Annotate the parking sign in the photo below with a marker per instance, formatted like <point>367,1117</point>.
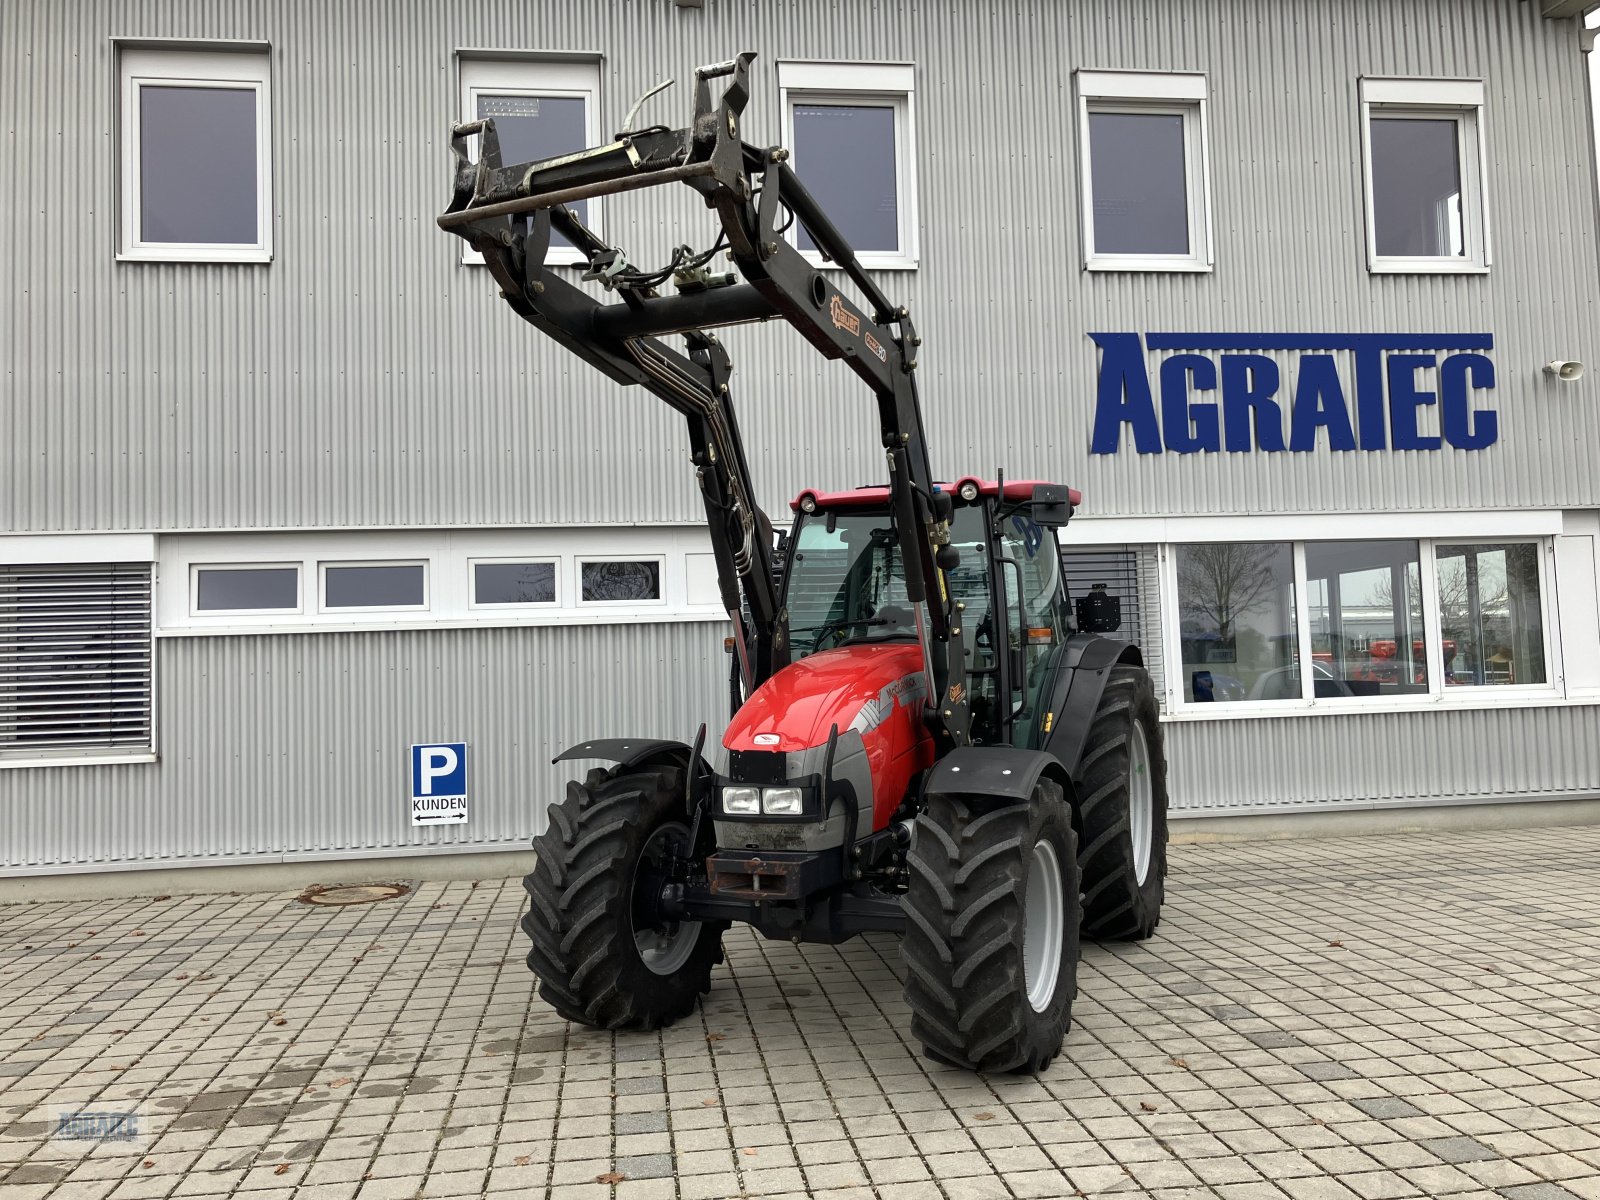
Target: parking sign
<point>439,783</point>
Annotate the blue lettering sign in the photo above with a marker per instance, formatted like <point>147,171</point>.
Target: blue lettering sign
<point>1394,408</point>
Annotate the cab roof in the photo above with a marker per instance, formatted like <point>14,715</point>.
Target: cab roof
<point>877,495</point>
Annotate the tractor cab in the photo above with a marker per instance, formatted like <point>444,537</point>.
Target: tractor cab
<point>845,585</point>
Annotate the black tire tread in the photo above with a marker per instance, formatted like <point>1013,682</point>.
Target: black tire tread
<point>1115,907</point>
<point>964,967</point>
<point>578,921</point>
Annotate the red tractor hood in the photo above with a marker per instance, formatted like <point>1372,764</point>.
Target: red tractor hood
<point>797,707</point>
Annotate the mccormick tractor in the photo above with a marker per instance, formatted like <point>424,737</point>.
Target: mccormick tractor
<point>921,742</point>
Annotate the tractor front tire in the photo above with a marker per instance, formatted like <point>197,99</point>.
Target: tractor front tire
<point>599,958</point>
<point>1123,811</point>
<point>991,942</point>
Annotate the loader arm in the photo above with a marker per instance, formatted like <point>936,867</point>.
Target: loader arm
<point>507,213</point>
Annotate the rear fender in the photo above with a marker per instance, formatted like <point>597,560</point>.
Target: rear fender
<point>1075,698</point>
<point>998,775</point>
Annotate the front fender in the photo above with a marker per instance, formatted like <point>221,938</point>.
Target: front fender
<point>631,752</point>
<point>1001,774</point>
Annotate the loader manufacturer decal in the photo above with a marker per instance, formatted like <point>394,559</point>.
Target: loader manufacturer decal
<point>843,318</point>
<point>1411,391</point>
<point>876,347</point>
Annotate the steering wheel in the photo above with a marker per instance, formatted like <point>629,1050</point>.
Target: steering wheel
<point>836,630</point>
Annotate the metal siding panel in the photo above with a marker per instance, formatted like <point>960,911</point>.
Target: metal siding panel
<point>366,378</point>
<point>1372,760</point>
<point>286,744</point>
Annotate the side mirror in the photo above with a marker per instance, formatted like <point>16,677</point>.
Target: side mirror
<point>1052,504</point>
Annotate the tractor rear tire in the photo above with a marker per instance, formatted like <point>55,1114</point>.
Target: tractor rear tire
<point>991,942</point>
<point>595,965</point>
<point>1123,811</point>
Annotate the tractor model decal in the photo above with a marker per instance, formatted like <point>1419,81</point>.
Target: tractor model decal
<point>906,690</point>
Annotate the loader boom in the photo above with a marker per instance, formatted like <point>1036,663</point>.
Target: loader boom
<point>507,212</point>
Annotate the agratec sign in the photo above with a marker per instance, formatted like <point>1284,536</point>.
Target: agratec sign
<point>1219,391</point>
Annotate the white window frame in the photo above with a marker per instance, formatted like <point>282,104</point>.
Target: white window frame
<point>531,73</point>
<point>238,65</point>
<point>1173,93</point>
<point>661,580</point>
<point>1438,695</point>
<point>517,560</point>
<point>34,549</point>
<point>889,85</point>
<point>322,585</point>
<point>448,553</point>
<point>211,613</point>
<point>1433,99</point>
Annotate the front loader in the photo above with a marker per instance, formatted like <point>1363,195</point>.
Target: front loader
<point>921,741</point>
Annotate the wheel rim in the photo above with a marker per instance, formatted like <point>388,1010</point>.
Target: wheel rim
<point>1043,926</point>
<point>661,951</point>
<point>1141,803</point>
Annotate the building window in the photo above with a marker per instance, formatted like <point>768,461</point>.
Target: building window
<point>1399,619</point>
<point>850,131</point>
<point>75,662</point>
<point>1491,614</point>
<point>1142,138</point>
<point>196,156</point>
<point>246,589</point>
<point>1367,635</point>
<point>368,586</point>
<point>1426,210</point>
<point>510,582</point>
<point>1237,622</point>
<point>620,581</point>
<point>541,108</point>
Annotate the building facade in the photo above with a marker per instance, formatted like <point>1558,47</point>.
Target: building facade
<point>287,493</point>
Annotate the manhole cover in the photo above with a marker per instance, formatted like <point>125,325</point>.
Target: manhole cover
<point>344,894</point>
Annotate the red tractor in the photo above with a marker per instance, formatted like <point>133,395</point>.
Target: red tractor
<point>921,741</point>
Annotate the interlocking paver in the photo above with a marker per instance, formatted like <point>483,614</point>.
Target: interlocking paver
<point>1323,1019</point>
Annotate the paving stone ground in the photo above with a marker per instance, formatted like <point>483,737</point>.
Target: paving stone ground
<point>1363,1018</point>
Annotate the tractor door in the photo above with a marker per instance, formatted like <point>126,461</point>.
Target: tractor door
<point>1036,612</point>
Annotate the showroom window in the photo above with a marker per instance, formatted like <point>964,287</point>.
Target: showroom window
<point>1491,614</point>
<point>241,589</point>
<point>1365,604</point>
<point>1397,619</point>
<point>851,134</point>
<point>371,586</point>
<point>1143,171</point>
<point>1425,168</point>
<point>506,583</point>
<point>196,155</point>
<point>1236,607</point>
<point>75,661</point>
<point>542,108</point>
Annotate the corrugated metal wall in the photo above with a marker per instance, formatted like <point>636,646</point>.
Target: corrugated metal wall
<point>300,743</point>
<point>297,744</point>
<point>1382,759</point>
<point>366,378</point>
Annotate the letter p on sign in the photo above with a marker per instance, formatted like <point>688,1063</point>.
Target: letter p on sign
<point>439,783</point>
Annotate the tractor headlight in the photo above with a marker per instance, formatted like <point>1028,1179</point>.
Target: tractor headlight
<point>781,802</point>
<point>745,801</point>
